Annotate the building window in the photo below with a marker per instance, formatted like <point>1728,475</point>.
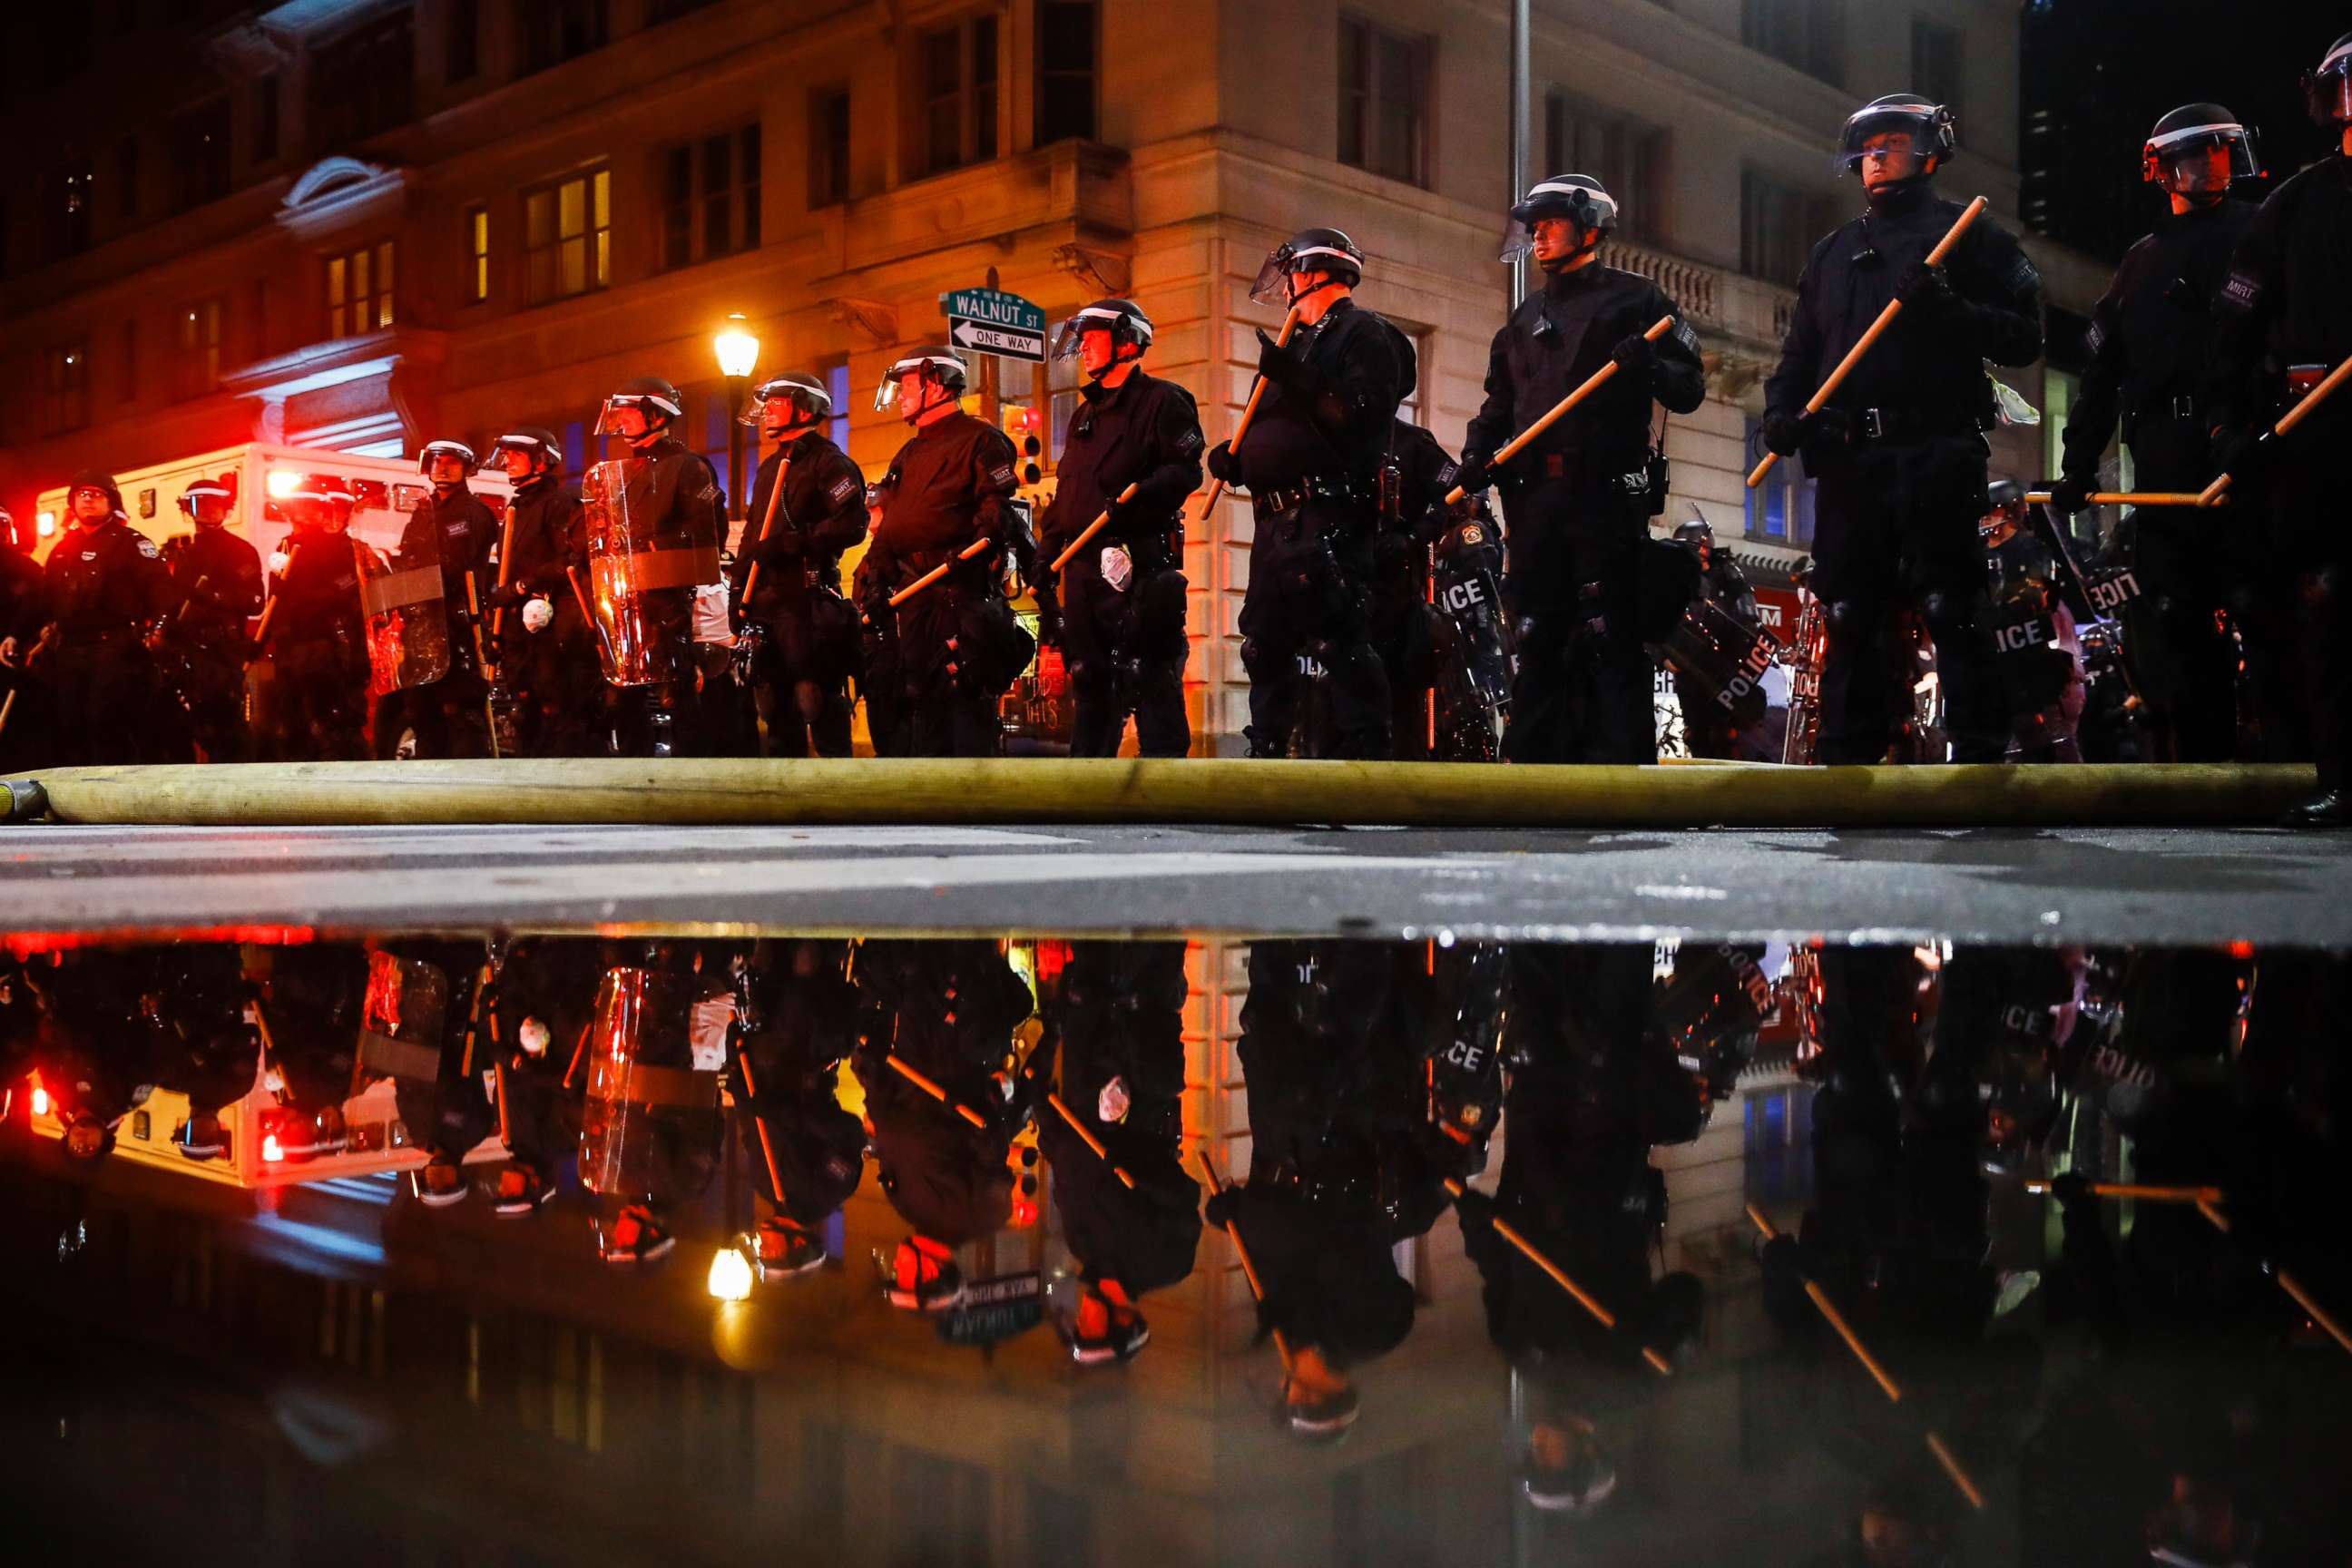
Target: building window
<point>1779,226</point>
<point>1781,507</point>
<point>1383,101</point>
<point>200,155</point>
<point>129,390</point>
<point>711,197</point>
<point>567,237</point>
<point>1938,69</point>
<point>555,31</point>
<point>265,119</point>
<point>1068,31</point>
<point>65,388</point>
<point>364,82</point>
<point>359,290</point>
<point>197,357</point>
<point>836,387</point>
<point>1626,156</point>
<point>461,55</point>
<point>958,94</point>
<point>1807,34</point>
<point>477,254</point>
<point>828,143</point>
<point>71,190</point>
<point>126,180</point>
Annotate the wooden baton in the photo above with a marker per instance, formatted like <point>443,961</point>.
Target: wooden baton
<point>2128,498</point>
<point>1249,411</point>
<point>1583,1298</point>
<point>2287,421</point>
<point>1249,1269</point>
<point>1592,384</point>
<point>1086,1135</point>
<point>482,663</point>
<point>1877,328</point>
<point>976,547</point>
<point>936,1092</point>
<point>1097,526</point>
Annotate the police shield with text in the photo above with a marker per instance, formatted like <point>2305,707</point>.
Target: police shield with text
<point>1122,597</point>
<point>948,502</point>
<point>808,505</point>
<point>1719,651</point>
<point>314,637</point>
<point>2147,344</point>
<point>653,539</point>
<point>1899,451</point>
<point>425,645</point>
<point>1311,461</point>
<point>2283,321</point>
<point>1582,583</point>
<point>547,650</point>
<point>215,589</point>
<point>107,587</point>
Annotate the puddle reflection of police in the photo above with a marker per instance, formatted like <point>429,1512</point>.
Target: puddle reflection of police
<point>806,1151</point>
<point>423,1032</point>
<point>543,1003</point>
<point>946,1010</point>
<point>1115,1030</point>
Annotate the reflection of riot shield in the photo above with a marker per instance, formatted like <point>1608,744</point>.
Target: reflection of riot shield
<point>1477,660</point>
<point>407,621</point>
<point>404,1017</point>
<point>651,1126</point>
<point>644,569</point>
<point>1720,659</point>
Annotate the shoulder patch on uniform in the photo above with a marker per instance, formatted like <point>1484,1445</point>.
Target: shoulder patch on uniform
<point>1686,335</point>
<point>999,473</point>
<point>2242,290</point>
<point>1448,474</point>
<point>844,487</point>
<point>147,547</point>
<point>2024,274</point>
<point>2093,337</point>
<point>1191,443</point>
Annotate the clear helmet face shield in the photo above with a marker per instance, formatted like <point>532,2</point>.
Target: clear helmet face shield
<point>1590,209</point>
<point>654,410</point>
<point>1273,284</point>
<point>938,374</point>
<point>1071,339</point>
<point>2202,157</point>
<point>796,401</point>
<point>2327,91</point>
<point>1923,130</point>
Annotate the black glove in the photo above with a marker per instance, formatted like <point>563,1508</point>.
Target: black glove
<point>2240,454</point>
<point>2072,493</point>
<point>1472,476</point>
<point>1225,1208</point>
<point>1927,290</point>
<point>2071,1190</point>
<point>1049,613</point>
<point>1476,1210</point>
<point>1785,433</point>
<point>1225,467</point>
<point>1279,364</point>
<point>1635,355</point>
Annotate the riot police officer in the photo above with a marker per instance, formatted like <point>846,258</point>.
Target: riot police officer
<point>1900,452</point>
<point>654,516</point>
<point>1414,483</point>
<point>215,589</point>
<point>1311,461</point>
<point>23,612</point>
<point>2147,351</point>
<point>808,505</point>
<point>1578,501</point>
<point>1708,727</point>
<point>1121,602</point>
<point>312,636</point>
<point>948,488</point>
<point>547,651</point>
<point>107,585</point>
<point>2283,321</point>
<point>454,529</point>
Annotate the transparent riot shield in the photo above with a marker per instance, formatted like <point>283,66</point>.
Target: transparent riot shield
<point>650,1126</point>
<point>1468,598</point>
<point>403,1018</point>
<point>1720,659</point>
<point>649,548</point>
<point>406,617</point>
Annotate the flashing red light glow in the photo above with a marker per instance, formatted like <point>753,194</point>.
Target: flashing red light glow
<point>271,1152</point>
<point>40,1100</point>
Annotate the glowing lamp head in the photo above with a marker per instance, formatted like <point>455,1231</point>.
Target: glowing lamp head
<point>731,1275</point>
<point>737,349</point>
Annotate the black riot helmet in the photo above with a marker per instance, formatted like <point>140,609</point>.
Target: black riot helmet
<point>943,378</point>
<point>458,449</point>
<point>207,502</point>
<point>656,399</point>
<point>1129,330</point>
<point>1309,250</point>
<point>96,479</point>
<point>1579,198</point>
<point>320,501</point>
<point>535,443</point>
<point>2327,91</point>
<point>1695,532</point>
<point>802,400</point>
<point>1928,128</point>
<point>2179,152</point>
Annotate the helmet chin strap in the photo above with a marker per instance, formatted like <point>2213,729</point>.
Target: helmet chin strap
<point>653,433</point>
<point>1116,359</point>
<point>1298,298</point>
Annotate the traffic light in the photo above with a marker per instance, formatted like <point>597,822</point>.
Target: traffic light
<point>1026,428</point>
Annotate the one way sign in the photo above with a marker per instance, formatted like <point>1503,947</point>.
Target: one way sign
<point>1005,342</point>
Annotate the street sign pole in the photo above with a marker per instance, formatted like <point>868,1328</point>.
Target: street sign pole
<point>988,406</point>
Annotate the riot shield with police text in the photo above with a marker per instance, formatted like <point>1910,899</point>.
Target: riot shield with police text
<point>648,551</point>
<point>650,1126</point>
<point>402,601</point>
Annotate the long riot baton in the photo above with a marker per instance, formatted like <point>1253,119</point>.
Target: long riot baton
<point>1249,412</point>
<point>1592,384</point>
<point>2287,421</point>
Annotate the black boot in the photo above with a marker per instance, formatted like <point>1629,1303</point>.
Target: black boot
<point>2328,809</point>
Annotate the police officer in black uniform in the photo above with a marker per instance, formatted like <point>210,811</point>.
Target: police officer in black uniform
<point>1311,461</point>
<point>314,638</point>
<point>950,488</point>
<point>673,503</point>
<point>24,611</point>
<point>808,505</point>
<point>2147,346</point>
<point>107,586</point>
<point>1578,501</point>
<point>1900,452</point>
<point>1414,483</point>
<point>450,716</point>
<point>2282,322</point>
<point>1121,600</point>
<point>215,589</point>
<point>547,650</point>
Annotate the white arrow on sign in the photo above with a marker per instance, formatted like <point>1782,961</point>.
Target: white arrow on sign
<point>998,341</point>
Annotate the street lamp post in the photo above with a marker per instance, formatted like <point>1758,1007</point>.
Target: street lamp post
<point>738,351</point>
